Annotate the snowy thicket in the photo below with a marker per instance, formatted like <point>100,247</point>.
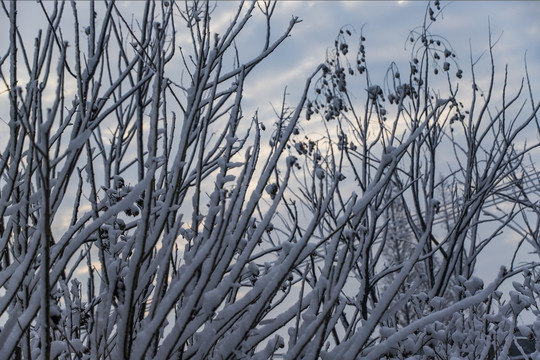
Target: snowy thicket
<point>145,214</point>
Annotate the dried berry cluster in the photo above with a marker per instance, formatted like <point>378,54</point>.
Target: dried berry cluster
<point>331,88</point>
<point>436,47</point>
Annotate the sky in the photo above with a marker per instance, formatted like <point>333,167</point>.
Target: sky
<point>466,25</point>
<point>386,25</point>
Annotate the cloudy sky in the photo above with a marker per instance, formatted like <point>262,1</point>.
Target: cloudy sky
<point>386,25</point>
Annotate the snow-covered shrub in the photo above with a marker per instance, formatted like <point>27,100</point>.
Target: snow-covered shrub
<point>142,214</point>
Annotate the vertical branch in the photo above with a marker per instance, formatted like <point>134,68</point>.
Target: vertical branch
<point>46,237</point>
<point>13,123</point>
<point>143,43</point>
